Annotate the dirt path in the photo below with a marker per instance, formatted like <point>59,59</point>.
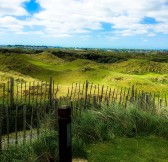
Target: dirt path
<point>79,160</point>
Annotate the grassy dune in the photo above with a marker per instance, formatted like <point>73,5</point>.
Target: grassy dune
<point>145,74</point>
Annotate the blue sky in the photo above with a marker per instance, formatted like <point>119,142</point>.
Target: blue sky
<point>32,6</point>
<point>83,23</point>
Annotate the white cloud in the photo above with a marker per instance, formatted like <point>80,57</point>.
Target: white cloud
<point>12,7</point>
<point>64,18</point>
<point>11,24</point>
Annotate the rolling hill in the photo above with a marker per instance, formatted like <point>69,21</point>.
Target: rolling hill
<point>143,72</point>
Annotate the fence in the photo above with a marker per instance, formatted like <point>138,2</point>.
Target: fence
<point>17,92</point>
<point>22,92</point>
<point>25,106</point>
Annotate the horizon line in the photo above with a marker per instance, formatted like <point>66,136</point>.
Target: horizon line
<point>79,47</point>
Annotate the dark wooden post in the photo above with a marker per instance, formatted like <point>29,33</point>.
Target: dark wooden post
<point>24,124</point>
<point>11,92</point>
<point>65,141</point>
<point>16,126</point>
<point>94,102</point>
<point>50,91</point>
<point>7,124</point>
<point>55,108</point>
<point>132,94</point>
<point>1,128</point>
<point>86,94</point>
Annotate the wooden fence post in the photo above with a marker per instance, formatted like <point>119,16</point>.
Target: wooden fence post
<point>24,124</point>
<point>65,141</point>
<point>71,92</point>
<point>7,124</point>
<point>101,96</point>
<point>126,101</point>
<point>50,91</point>
<point>3,94</point>
<point>11,92</point>
<point>38,121</point>
<point>16,125</point>
<point>165,101</point>
<point>132,94</point>
<point>94,102</point>
<point>160,103</point>
<point>55,108</point>
<point>86,94</point>
<point>120,100</point>
<point>31,123</point>
<point>0,128</point>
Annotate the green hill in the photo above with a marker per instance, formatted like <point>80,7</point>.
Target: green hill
<point>139,66</point>
<point>144,73</point>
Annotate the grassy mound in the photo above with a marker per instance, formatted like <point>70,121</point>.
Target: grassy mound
<point>138,66</point>
<point>18,63</point>
<point>45,57</point>
<point>144,73</point>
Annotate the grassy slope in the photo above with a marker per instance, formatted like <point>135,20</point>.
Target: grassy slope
<point>109,135</point>
<point>145,74</point>
<point>130,149</point>
<point>140,66</point>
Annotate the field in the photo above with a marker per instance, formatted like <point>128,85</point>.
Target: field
<point>147,72</point>
<point>112,113</point>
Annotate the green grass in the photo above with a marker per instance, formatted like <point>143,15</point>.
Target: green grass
<point>140,67</point>
<point>98,135</point>
<point>109,134</point>
<point>144,74</point>
<point>140,149</point>
<point>115,121</point>
<point>42,150</point>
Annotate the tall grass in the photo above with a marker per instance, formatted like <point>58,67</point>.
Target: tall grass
<point>45,149</point>
<point>92,126</point>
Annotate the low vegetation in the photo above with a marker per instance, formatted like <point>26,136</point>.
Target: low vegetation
<point>129,149</point>
<point>147,71</point>
<point>118,133</point>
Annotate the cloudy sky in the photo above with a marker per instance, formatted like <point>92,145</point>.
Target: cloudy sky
<point>85,23</point>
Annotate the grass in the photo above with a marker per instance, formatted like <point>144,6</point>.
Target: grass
<point>104,134</point>
<point>140,149</point>
<point>140,67</point>
<point>42,150</point>
<point>117,134</point>
<point>109,122</point>
<point>119,149</point>
<point>144,74</point>
<point>108,134</point>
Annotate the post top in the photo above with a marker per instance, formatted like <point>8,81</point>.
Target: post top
<point>64,111</point>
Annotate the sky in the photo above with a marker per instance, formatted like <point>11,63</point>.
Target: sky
<point>139,24</point>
